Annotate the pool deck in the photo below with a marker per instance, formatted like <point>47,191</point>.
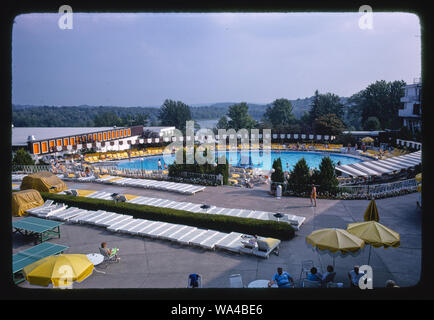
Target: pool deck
<point>144,261</point>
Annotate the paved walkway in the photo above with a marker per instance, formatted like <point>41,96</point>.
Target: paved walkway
<point>144,261</point>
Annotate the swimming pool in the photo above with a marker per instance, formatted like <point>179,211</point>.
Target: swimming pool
<point>253,159</point>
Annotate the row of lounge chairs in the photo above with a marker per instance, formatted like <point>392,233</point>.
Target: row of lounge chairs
<point>152,184</point>
<point>295,221</point>
<point>182,234</point>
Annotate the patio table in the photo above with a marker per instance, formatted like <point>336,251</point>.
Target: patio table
<point>260,284</point>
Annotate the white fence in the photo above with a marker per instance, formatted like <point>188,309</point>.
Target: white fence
<point>379,190</point>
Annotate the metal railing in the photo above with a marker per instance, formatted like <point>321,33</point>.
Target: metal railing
<point>379,190</point>
<point>30,168</point>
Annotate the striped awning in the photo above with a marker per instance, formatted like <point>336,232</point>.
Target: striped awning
<point>379,167</point>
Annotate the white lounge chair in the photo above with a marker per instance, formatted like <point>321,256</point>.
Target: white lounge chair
<point>231,243</point>
<point>191,236</point>
<point>181,233</point>
<point>203,237</point>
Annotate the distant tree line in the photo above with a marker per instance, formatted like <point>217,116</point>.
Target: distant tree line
<point>374,108</point>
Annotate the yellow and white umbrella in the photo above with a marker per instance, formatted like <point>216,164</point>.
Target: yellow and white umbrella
<point>335,242</point>
<point>59,270</point>
<point>371,213</point>
<point>375,234</point>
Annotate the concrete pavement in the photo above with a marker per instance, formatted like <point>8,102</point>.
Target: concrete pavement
<point>150,263</point>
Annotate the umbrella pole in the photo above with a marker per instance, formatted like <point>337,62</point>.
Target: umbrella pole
<point>369,257</point>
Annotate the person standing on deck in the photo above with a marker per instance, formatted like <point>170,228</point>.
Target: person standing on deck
<point>313,195</point>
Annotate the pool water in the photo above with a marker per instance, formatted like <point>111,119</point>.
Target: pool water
<point>253,159</point>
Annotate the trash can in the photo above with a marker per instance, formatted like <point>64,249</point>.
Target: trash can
<point>278,191</point>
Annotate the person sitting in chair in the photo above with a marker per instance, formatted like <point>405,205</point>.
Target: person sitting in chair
<point>329,276</point>
<point>283,279</point>
<point>110,252</point>
<point>314,275</point>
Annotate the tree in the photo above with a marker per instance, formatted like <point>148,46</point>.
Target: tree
<point>279,113</point>
<point>372,124</point>
<point>327,176</point>
<point>353,113</point>
<point>323,104</point>
<point>222,123</point>
<point>22,157</point>
<point>240,118</point>
<point>299,180</point>
<point>328,124</point>
<point>174,113</point>
<point>346,139</point>
<point>305,122</point>
<point>382,100</point>
<point>277,175</point>
<point>107,119</point>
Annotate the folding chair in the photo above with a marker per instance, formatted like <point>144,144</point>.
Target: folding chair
<point>107,258</point>
<point>236,281</point>
<point>311,284</point>
<point>306,265</point>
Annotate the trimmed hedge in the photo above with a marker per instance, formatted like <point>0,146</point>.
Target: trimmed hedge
<point>279,230</point>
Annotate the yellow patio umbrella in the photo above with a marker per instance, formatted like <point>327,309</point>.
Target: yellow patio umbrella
<point>374,234</point>
<point>367,140</point>
<point>335,242</point>
<point>59,270</point>
<point>371,213</point>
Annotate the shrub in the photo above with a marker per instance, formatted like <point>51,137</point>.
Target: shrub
<point>277,175</point>
<point>280,230</point>
<point>22,157</point>
<point>327,176</point>
<point>299,180</point>
<point>176,169</point>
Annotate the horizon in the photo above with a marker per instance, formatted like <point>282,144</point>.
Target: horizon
<point>139,60</point>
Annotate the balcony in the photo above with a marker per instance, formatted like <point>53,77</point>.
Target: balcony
<point>408,113</point>
<point>412,98</point>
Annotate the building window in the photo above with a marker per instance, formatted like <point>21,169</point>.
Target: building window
<point>94,137</point>
<point>129,132</point>
<point>72,139</point>
<point>36,148</point>
<point>104,136</point>
<point>52,143</point>
<point>416,109</point>
<point>59,142</point>
<point>44,147</point>
<point>99,137</point>
<point>109,135</point>
<point>65,141</point>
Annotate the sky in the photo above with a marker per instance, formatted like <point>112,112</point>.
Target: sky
<point>141,59</point>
